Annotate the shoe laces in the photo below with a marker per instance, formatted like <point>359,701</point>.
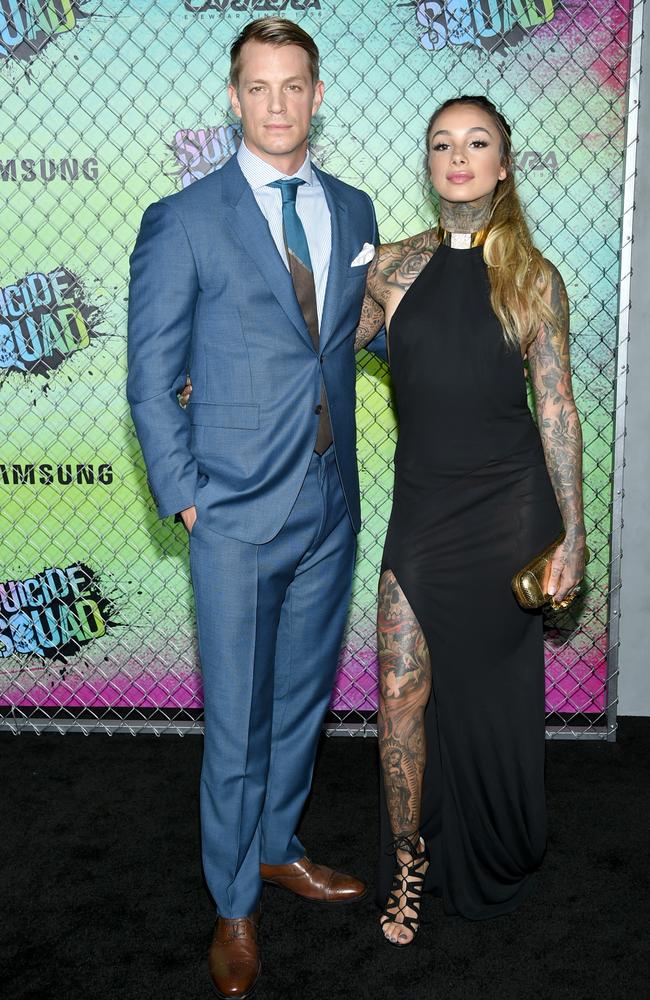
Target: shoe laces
<point>237,930</point>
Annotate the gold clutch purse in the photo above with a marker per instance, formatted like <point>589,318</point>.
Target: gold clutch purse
<point>529,584</point>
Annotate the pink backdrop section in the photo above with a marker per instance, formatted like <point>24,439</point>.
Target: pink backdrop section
<point>604,25</point>
<point>575,682</point>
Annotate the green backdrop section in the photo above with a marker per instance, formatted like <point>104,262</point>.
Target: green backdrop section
<point>108,106</point>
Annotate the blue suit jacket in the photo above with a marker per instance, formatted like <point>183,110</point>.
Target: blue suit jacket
<point>211,295</point>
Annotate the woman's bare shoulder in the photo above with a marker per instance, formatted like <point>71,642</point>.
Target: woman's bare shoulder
<point>553,290</point>
<point>426,242</point>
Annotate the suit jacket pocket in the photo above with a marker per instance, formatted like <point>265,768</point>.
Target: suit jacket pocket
<point>237,415</point>
<point>359,270</point>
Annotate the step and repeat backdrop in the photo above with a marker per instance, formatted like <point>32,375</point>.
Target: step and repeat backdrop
<point>106,106</point>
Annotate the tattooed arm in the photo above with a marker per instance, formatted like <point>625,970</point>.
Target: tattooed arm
<point>372,311</point>
<point>559,426</point>
<point>391,273</point>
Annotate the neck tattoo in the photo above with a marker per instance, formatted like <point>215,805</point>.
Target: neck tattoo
<point>465,221</point>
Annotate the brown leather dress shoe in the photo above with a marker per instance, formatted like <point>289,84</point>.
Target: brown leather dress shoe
<point>317,883</point>
<point>234,960</point>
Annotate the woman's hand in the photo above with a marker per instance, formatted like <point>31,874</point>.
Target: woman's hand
<point>566,571</point>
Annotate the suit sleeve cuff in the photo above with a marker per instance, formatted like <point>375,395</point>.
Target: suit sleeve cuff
<point>172,506</point>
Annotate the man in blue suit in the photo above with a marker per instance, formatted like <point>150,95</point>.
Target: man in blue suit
<point>252,281</point>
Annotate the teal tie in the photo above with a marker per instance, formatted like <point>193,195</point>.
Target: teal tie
<point>302,276</point>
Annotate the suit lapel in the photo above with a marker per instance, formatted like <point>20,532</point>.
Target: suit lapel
<point>251,229</point>
<point>338,258</point>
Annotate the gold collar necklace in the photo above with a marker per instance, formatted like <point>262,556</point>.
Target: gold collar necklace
<point>462,241</point>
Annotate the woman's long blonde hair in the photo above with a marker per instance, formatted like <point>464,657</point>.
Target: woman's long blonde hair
<point>519,275</point>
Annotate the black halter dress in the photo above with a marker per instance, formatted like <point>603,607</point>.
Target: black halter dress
<point>472,503</point>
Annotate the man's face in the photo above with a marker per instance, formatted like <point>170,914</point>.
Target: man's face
<point>276,100</point>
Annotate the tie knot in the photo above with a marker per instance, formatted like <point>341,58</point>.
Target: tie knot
<point>288,188</point>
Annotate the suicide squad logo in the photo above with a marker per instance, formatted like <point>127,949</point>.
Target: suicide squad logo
<point>484,24</point>
<point>27,26</point>
<point>44,319</point>
<point>199,152</point>
<point>53,614</point>
<point>249,6</point>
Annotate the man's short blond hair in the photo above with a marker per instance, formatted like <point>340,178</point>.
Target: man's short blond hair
<point>273,31</point>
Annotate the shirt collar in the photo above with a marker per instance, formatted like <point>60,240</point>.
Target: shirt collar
<point>259,173</point>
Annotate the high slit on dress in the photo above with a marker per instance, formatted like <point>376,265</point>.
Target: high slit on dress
<point>472,503</point>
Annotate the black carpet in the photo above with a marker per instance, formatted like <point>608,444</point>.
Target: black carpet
<point>102,893</point>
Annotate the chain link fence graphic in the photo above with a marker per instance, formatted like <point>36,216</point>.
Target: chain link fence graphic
<point>108,106</point>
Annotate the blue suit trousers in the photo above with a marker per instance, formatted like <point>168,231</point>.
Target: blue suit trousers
<point>270,619</point>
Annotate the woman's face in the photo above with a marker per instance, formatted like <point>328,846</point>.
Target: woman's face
<point>465,160</point>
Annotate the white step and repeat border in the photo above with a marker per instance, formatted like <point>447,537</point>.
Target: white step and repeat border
<point>634,370</point>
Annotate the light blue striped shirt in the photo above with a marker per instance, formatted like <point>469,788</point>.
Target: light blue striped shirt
<point>311,207</point>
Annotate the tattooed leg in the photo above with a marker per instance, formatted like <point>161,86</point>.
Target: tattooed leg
<point>404,689</point>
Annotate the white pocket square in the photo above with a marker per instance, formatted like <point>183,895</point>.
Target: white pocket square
<point>364,256</point>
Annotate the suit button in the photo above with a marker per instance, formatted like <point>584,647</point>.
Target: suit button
<point>318,409</point>
<point>322,360</point>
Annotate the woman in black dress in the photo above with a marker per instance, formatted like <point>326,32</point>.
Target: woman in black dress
<point>480,489</point>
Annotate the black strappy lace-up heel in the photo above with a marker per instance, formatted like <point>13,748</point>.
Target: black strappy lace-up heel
<point>406,889</point>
